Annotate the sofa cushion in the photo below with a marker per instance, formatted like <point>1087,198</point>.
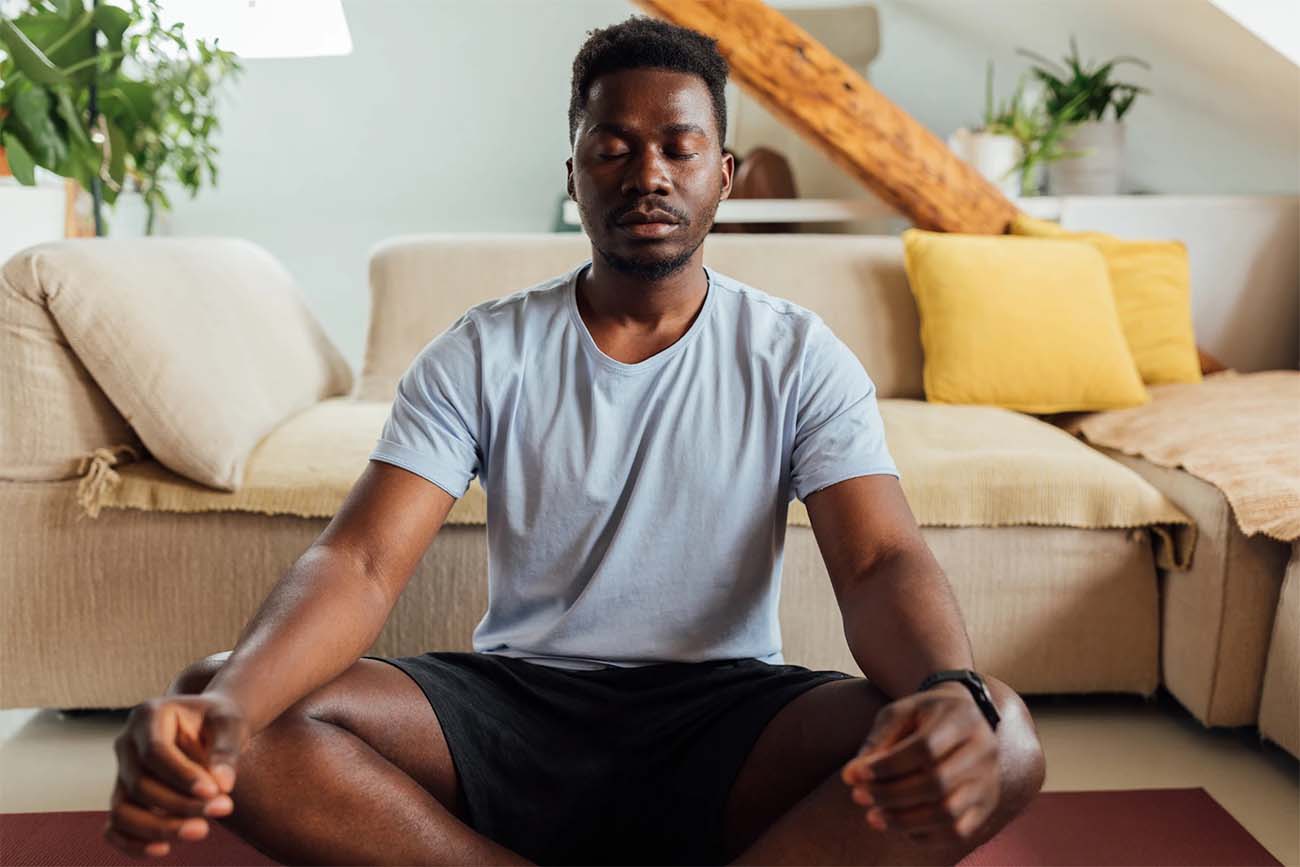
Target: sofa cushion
<point>204,345</point>
<point>1022,323</point>
<point>962,466</point>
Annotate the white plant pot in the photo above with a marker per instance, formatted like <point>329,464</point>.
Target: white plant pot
<point>993,156</point>
<point>1100,171</point>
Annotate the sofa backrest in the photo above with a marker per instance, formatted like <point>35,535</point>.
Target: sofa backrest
<point>195,348</point>
<point>420,284</point>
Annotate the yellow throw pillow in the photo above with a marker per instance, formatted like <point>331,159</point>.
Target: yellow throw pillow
<point>1152,285</point>
<point>1021,323</point>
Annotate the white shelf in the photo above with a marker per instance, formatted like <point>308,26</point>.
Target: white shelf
<point>822,210</point>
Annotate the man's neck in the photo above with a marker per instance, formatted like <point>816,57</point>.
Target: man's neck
<point>613,301</point>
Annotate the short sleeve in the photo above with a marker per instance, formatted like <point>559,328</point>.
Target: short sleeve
<point>432,429</point>
<point>838,430</point>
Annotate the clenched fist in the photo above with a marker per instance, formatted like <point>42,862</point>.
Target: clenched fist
<point>175,765</point>
<point>929,766</point>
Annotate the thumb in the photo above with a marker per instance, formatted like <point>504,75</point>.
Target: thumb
<point>892,724</point>
<point>224,736</point>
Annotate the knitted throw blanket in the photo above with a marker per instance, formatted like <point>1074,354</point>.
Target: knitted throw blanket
<point>961,466</point>
<point>1238,431</point>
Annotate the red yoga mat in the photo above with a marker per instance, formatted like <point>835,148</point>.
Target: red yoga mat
<point>1139,826</point>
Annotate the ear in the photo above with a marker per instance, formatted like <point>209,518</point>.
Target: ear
<point>568,165</point>
<point>728,171</point>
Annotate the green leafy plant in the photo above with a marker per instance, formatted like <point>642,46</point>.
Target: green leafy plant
<point>156,93</point>
<point>1038,130</point>
<point>1082,92</point>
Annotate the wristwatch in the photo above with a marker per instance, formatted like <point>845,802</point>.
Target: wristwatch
<point>972,681</point>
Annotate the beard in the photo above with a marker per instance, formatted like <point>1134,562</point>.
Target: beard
<point>648,266</point>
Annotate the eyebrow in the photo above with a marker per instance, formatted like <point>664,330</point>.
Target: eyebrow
<point>674,128</point>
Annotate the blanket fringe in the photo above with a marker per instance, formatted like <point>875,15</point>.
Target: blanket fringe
<point>98,477</point>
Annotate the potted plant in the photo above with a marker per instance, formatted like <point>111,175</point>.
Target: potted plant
<point>1079,94</point>
<point>109,96</point>
<point>990,148</point>
<point>1016,141</point>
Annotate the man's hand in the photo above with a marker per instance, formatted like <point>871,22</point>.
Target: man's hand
<point>176,760</point>
<point>929,765</point>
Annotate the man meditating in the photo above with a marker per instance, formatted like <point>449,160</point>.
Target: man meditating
<point>640,424</point>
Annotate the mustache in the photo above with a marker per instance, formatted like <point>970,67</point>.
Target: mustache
<point>613,216</point>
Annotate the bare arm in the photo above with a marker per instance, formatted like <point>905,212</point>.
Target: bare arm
<point>331,605</point>
<point>901,618</point>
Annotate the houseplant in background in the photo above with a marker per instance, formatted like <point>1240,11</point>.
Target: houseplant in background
<point>109,96</point>
<point>1080,94</point>
<point>1017,139</point>
<point>990,147</point>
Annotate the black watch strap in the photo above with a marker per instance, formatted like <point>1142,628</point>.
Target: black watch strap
<point>972,681</point>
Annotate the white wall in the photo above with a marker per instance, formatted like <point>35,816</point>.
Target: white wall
<point>447,116</point>
<point>451,116</point>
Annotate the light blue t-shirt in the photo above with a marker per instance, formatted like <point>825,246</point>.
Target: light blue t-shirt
<point>636,513</point>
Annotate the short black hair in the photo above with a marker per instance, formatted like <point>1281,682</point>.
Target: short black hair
<point>641,42</point>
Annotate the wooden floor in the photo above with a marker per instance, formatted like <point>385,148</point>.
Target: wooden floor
<point>52,762</point>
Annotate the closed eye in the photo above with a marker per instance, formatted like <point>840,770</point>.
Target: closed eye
<point>624,153</point>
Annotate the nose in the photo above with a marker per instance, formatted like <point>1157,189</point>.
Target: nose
<point>646,174</point>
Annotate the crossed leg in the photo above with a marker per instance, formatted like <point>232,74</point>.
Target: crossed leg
<point>788,804</point>
<point>357,772</point>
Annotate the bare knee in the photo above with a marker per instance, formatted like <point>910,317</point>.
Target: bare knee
<point>195,676</point>
<point>1024,767</point>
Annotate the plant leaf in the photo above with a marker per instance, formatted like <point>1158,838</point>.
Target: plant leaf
<point>63,42</point>
<point>69,9</point>
<point>112,22</point>
<point>30,60</point>
<point>20,161</point>
<point>117,153</point>
<point>31,115</point>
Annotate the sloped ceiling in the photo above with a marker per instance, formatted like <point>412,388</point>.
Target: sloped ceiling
<point>1274,23</point>
<point>1223,115</point>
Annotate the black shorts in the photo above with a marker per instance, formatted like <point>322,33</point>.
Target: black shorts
<point>611,766</point>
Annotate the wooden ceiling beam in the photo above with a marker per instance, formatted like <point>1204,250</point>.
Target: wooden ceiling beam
<point>856,126</point>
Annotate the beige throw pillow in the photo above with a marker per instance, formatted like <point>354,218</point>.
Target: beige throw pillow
<point>204,345</point>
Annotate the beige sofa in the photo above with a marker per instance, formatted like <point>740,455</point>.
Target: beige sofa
<point>102,611</point>
<point>1218,616</point>
<point>1279,703</point>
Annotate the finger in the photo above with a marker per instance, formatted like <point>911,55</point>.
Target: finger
<point>970,821</point>
<point>928,785</point>
<point>156,749</point>
<point>936,736</point>
<point>936,817</point>
<point>136,821</point>
<point>151,793</point>
<point>134,847</point>
<point>146,790</point>
<point>893,722</point>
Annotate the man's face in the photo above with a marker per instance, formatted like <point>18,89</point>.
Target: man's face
<point>648,148</point>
